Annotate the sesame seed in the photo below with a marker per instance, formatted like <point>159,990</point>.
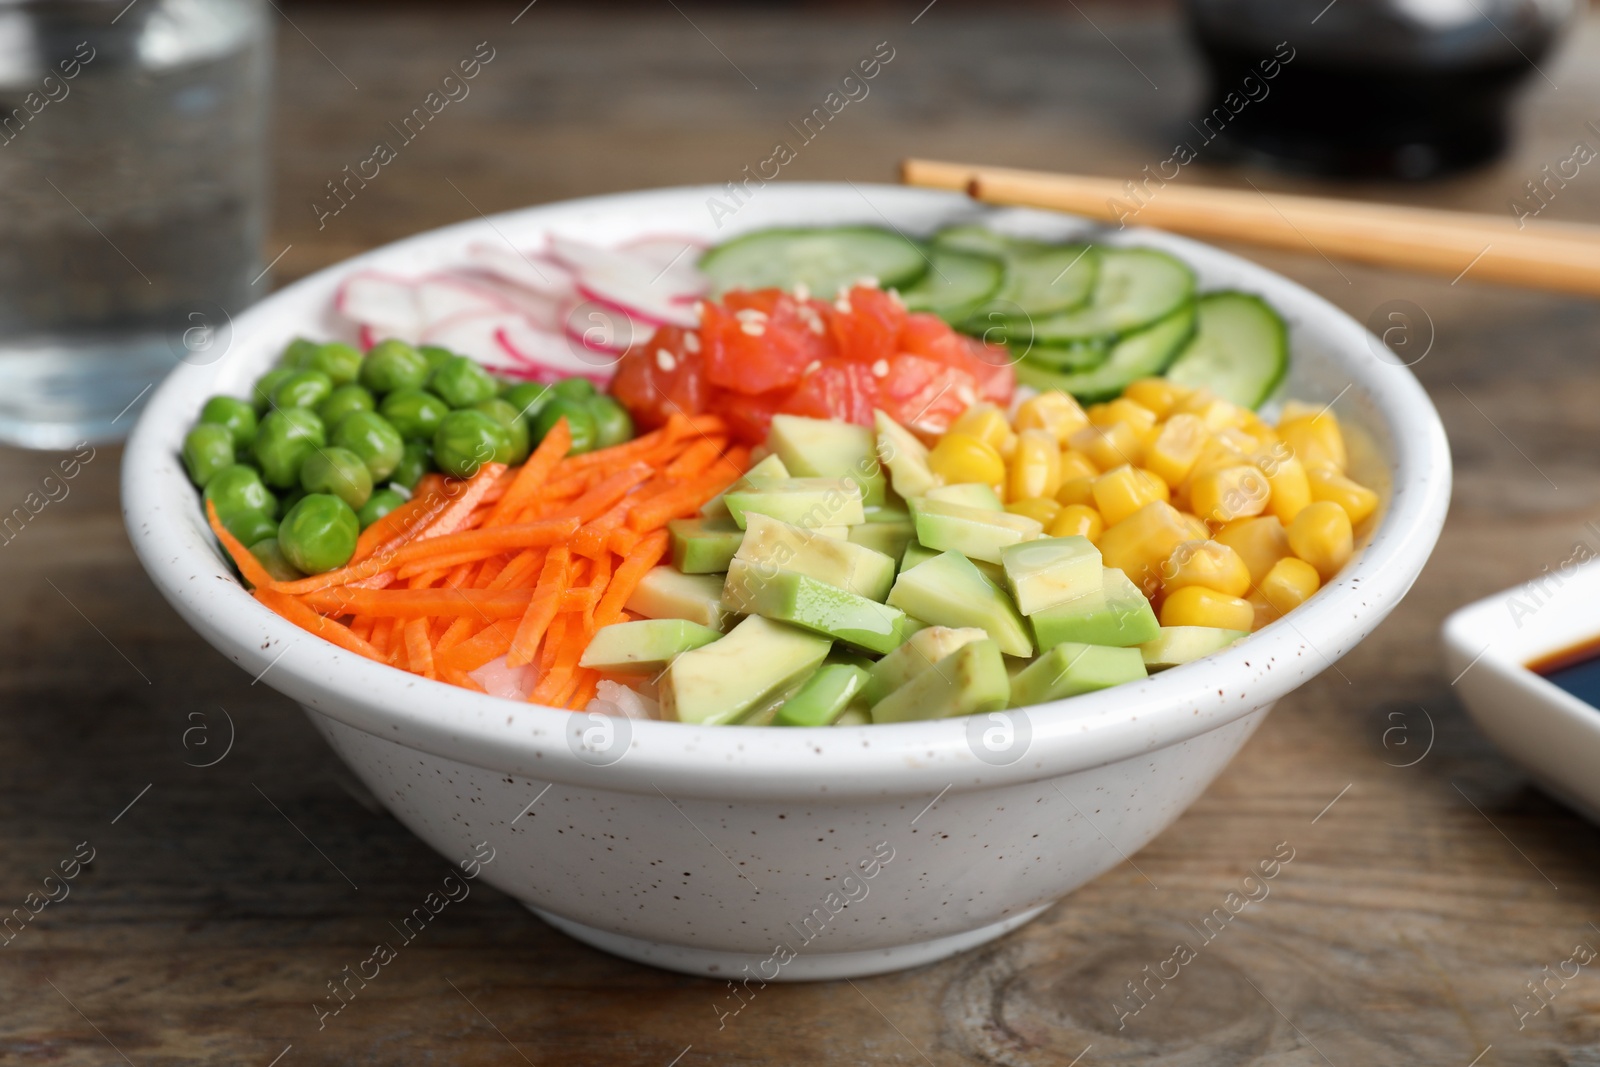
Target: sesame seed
<point>754,329</point>
<point>881,368</point>
<point>842,306</point>
<point>750,315</point>
<point>666,360</point>
<point>966,395</point>
<point>802,291</point>
<point>867,281</point>
<point>812,367</point>
<point>691,342</point>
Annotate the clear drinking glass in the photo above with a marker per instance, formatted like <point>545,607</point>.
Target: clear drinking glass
<point>132,201</point>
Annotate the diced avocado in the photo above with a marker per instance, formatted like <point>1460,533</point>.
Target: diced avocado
<point>855,715</point>
<point>828,448</point>
<point>969,681</point>
<point>1072,668</point>
<point>905,456</point>
<point>771,546</point>
<point>768,467</point>
<point>1119,616</point>
<point>949,590</point>
<point>785,596</point>
<point>1055,570</point>
<point>887,530</point>
<point>824,697</point>
<point>974,532</point>
<point>646,645</point>
<point>719,682</point>
<point>921,651</point>
<point>915,554</point>
<point>971,494</point>
<point>703,546</point>
<point>1185,644</point>
<point>808,502</point>
<point>664,593</point>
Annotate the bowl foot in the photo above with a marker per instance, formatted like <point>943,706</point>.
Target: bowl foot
<point>805,967</point>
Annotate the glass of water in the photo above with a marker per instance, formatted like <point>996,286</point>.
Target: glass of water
<point>133,179</point>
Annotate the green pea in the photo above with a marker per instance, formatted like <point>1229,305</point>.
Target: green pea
<point>286,438</point>
<point>319,533</point>
<point>270,555</point>
<point>528,398</point>
<point>266,385</point>
<point>342,401</point>
<point>238,416</point>
<point>289,498</point>
<point>338,471</point>
<point>378,505</point>
<point>249,526</point>
<point>462,382</point>
<point>414,412</point>
<point>468,439</point>
<point>298,354</point>
<point>339,361</point>
<point>612,423</point>
<point>392,365</point>
<point>417,461</point>
<point>436,356</point>
<point>207,449</point>
<point>371,437</point>
<point>574,389</point>
<point>580,420</point>
<point>302,389</point>
<point>239,488</point>
<point>506,415</point>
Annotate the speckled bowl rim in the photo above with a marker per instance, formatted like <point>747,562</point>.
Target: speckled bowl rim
<point>168,532</point>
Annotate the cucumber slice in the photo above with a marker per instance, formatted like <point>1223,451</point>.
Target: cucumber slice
<point>1139,355</point>
<point>821,259</point>
<point>1078,357</point>
<point>971,237</point>
<point>1240,349</point>
<point>1135,287</point>
<point>957,283</point>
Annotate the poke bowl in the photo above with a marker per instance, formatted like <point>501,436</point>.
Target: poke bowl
<point>896,835</point>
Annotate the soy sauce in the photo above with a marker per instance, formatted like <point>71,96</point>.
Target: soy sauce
<point>1575,669</point>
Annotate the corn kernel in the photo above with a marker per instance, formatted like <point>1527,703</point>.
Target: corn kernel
<point>1121,492</point>
<point>1176,447</point>
<point>1122,409</point>
<point>1206,563</point>
<point>1286,478</point>
<point>1216,413</point>
<point>1217,453</point>
<point>1157,394</point>
<point>1265,612</point>
<point>1041,509</point>
<point>1259,542</point>
<point>1077,491</point>
<point>1256,427</point>
<point>1321,536</point>
<point>988,424</point>
<point>1108,446</point>
<point>1078,520</point>
<point>1316,440</point>
<point>1055,411</point>
<point>1357,500</point>
<point>960,457</point>
<point>1195,605</point>
<point>1141,543</point>
<point>1289,584</point>
<point>1076,465</point>
<point>1157,486</point>
<point>1228,494</point>
<point>1035,466</point>
<point>1294,409</point>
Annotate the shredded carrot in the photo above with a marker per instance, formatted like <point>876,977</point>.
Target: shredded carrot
<point>588,684</point>
<point>418,649</point>
<point>542,608</point>
<point>422,603</point>
<point>309,620</point>
<point>604,494</point>
<point>683,499</point>
<point>533,474</point>
<point>635,565</point>
<point>696,458</point>
<point>248,565</point>
<point>492,642</point>
<point>461,678</point>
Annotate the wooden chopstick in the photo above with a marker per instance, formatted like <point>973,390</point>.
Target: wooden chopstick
<point>1541,255</point>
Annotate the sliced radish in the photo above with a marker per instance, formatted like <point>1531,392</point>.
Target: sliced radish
<point>639,302</point>
<point>600,327</point>
<point>472,334</point>
<point>539,273</point>
<point>544,311</point>
<point>441,297</point>
<point>385,303</point>
<point>552,356</point>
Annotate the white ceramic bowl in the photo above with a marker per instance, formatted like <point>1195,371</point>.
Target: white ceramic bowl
<point>1551,733</point>
<point>784,853</point>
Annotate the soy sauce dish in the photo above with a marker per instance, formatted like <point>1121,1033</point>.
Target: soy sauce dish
<point>1527,662</point>
<point>796,852</point>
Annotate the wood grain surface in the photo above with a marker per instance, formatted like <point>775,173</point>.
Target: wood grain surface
<point>1429,882</point>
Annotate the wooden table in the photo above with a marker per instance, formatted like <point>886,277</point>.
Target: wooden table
<point>1429,881</point>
